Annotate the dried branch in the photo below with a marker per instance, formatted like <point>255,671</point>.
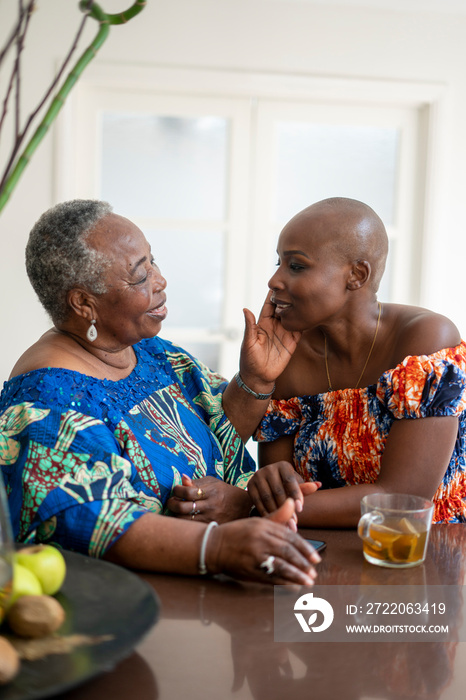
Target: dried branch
<point>17,67</point>
<point>24,16</point>
<point>16,29</point>
<point>16,166</point>
<point>20,137</point>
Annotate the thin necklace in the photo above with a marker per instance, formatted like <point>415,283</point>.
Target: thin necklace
<point>367,358</point>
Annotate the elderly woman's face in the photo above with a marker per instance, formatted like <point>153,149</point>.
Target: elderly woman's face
<point>134,305</point>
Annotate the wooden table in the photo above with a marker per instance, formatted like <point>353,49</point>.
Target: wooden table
<point>215,639</point>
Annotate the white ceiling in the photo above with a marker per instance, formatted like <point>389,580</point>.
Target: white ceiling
<point>422,6</point>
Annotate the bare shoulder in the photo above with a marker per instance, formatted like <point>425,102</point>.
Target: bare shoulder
<point>49,351</point>
<point>418,331</point>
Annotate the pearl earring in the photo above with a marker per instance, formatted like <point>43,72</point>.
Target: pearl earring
<point>91,334</point>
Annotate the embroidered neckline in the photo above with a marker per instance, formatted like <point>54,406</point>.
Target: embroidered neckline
<point>58,387</point>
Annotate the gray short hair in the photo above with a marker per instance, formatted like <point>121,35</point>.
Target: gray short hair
<point>58,257</point>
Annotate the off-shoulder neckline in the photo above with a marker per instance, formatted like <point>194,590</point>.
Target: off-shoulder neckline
<point>349,391</point>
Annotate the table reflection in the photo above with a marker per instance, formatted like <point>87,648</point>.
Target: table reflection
<point>215,639</point>
<point>133,678</point>
<point>266,670</point>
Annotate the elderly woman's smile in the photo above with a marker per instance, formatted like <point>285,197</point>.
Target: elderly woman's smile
<point>159,312</point>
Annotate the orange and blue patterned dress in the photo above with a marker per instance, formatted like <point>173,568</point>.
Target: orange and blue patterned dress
<point>340,435</point>
<point>83,458</point>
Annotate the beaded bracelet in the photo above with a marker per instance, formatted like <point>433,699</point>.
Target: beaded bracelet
<point>202,565</point>
<point>244,386</point>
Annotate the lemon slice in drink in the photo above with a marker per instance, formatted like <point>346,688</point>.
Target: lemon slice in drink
<point>402,548</point>
<point>407,527</point>
<point>382,535</point>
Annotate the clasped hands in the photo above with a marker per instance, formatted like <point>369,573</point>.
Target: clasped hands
<point>271,485</point>
<point>209,498</point>
<point>251,548</point>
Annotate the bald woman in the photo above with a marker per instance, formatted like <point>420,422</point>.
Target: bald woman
<point>374,397</point>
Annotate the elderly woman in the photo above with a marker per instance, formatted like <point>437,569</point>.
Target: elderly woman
<point>101,420</point>
<point>374,397</point>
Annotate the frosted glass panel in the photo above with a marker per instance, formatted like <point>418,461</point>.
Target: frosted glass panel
<point>316,161</point>
<point>165,167</point>
<point>192,264</point>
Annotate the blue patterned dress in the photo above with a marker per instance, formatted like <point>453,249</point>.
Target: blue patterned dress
<point>83,458</point>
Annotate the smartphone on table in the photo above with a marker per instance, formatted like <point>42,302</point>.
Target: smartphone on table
<point>318,545</point>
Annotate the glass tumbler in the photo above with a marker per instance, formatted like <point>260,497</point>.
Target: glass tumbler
<point>394,528</point>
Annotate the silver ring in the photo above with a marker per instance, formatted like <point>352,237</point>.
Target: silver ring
<point>193,509</point>
<point>194,513</point>
<point>269,565</point>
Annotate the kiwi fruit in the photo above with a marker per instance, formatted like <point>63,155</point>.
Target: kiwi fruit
<point>35,616</point>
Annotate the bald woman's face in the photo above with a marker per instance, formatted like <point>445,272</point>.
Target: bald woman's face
<point>310,284</point>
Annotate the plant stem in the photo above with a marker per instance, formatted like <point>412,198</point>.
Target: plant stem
<point>104,20</point>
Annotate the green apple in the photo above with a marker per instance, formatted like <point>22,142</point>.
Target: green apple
<point>24,583</point>
<point>46,563</point>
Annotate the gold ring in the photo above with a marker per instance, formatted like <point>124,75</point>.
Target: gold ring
<point>200,493</point>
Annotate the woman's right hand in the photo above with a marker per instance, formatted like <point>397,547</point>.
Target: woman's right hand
<point>239,549</point>
<point>266,348</point>
<point>271,485</point>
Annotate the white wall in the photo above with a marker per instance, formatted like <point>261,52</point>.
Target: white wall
<point>272,36</point>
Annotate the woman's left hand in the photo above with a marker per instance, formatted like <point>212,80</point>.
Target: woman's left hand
<point>267,346</point>
<point>208,499</point>
<point>271,485</point>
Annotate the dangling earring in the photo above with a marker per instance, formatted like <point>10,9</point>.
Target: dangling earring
<point>91,334</point>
